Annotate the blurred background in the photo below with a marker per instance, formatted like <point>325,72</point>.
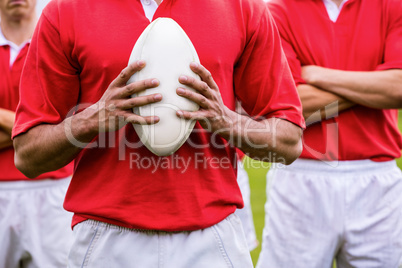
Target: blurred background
<point>40,4</point>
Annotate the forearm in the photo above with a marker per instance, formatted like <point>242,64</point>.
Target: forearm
<point>319,104</point>
<point>376,89</point>
<point>270,140</point>
<point>7,119</point>
<point>47,147</point>
<point>5,140</point>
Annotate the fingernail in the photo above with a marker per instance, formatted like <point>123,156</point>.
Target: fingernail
<point>141,63</point>
<point>183,78</point>
<point>179,113</point>
<point>180,90</point>
<point>158,97</point>
<point>154,82</point>
<point>194,64</point>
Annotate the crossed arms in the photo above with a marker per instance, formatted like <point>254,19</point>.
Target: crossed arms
<point>344,89</point>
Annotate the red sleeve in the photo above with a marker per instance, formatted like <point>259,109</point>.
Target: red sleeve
<point>49,88</point>
<point>393,41</point>
<point>293,61</point>
<point>283,28</point>
<point>263,82</point>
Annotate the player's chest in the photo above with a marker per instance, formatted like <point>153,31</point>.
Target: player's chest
<point>355,41</point>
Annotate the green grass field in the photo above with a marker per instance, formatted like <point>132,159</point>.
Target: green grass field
<point>257,171</point>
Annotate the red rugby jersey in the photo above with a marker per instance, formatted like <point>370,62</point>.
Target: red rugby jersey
<point>367,36</point>
<point>9,97</point>
<point>79,47</point>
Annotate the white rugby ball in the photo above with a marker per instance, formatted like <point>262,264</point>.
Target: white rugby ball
<point>168,52</point>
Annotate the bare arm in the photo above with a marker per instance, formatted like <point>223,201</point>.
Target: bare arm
<point>5,140</point>
<point>319,104</point>
<point>7,119</point>
<point>375,89</point>
<point>267,140</point>
<point>54,146</point>
<point>270,140</point>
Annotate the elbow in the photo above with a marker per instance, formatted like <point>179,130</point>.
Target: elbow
<point>293,153</point>
<point>399,89</point>
<point>394,101</point>
<point>290,148</point>
<point>398,99</point>
<point>21,162</point>
<point>22,166</point>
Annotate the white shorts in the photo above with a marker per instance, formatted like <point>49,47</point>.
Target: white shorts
<point>315,213</point>
<point>35,230</point>
<point>102,245</point>
<point>246,214</point>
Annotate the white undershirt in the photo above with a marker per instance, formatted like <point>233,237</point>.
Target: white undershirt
<point>150,7</point>
<point>14,49</point>
<point>332,9</point>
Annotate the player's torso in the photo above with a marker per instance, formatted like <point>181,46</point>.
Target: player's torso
<point>355,42</point>
<point>10,77</point>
